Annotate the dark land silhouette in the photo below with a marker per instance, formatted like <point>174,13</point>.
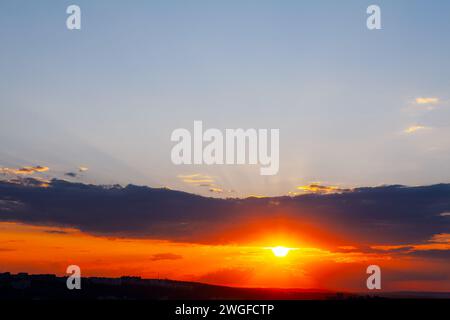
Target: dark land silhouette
<point>23,286</point>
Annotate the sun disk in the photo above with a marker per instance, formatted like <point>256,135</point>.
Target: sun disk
<point>280,251</point>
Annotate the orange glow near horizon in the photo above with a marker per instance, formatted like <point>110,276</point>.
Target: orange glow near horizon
<point>39,249</point>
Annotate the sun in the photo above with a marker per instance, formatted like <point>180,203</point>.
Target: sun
<point>280,251</point>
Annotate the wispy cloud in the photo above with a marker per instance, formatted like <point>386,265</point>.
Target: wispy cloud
<point>415,128</point>
<point>52,231</point>
<point>201,180</point>
<point>441,238</point>
<point>322,189</point>
<point>440,241</point>
<point>197,179</point>
<point>165,256</point>
<point>350,248</point>
<point>427,100</point>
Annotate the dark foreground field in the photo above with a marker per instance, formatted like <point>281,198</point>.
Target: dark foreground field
<point>33,296</point>
<point>50,287</point>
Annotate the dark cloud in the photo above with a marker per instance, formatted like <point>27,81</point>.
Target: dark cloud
<point>71,174</point>
<point>9,205</point>
<point>56,231</point>
<point>401,249</point>
<point>411,275</point>
<point>165,256</point>
<point>432,253</point>
<point>378,215</point>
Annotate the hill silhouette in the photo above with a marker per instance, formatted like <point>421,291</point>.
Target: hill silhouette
<point>23,286</point>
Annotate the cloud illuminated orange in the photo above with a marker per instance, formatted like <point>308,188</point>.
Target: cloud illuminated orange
<point>24,170</point>
<point>318,188</point>
<point>426,100</point>
<point>414,128</point>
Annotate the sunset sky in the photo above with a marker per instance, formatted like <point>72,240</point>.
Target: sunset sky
<point>330,238</point>
<point>86,117</point>
<point>344,98</point>
<point>49,250</point>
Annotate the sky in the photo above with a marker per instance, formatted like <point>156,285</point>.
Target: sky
<point>86,118</point>
<point>108,96</point>
<point>330,238</point>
